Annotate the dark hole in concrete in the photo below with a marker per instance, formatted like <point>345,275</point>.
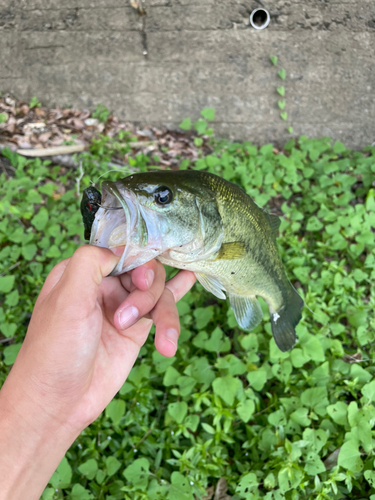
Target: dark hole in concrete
<point>260,18</point>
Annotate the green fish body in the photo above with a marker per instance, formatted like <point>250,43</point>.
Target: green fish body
<point>200,222</point>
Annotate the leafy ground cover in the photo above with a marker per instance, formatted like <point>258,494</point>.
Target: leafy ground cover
<point>296,425</point>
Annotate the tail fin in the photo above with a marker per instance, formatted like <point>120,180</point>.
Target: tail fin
<point>284,321</point>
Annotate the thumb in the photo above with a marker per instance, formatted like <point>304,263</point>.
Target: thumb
<point>85,271</point>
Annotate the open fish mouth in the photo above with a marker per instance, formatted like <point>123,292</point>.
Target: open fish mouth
<point>125,222</point>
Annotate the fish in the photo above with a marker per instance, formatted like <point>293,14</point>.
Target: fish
<point>200,222</point>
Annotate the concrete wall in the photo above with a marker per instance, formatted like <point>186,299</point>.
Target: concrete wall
<point>201,53</point>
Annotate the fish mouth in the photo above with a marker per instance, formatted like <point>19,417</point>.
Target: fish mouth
<point>125,222</point>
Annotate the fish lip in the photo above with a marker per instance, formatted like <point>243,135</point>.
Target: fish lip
<point>111,188</point>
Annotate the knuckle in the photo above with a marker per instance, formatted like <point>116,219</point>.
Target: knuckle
<point>169,290</point>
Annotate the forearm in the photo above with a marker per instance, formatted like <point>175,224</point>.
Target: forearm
<point>32,444</point>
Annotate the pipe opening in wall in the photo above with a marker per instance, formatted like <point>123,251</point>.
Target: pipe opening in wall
<point>260,19</point>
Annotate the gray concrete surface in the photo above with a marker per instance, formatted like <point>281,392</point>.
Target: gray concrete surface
<point>201,53</point>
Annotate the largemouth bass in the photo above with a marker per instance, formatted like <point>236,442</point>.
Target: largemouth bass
<point>200,222</point>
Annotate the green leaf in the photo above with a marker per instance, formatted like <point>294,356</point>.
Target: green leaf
<point>200,126</point>
<point>6,283</point>
<point>245,410</point>
<point>300,417</point>
<point>3,118</point>
<point>138,473</point>
<point>247,486</point>
<point>227,388</point>
<point>203,316</point>
<point>370,477</point>
<point>281,104</point>
<point>338,147</point>
<point>208,428</point>
<point>10,353</point>
<point>282,74</point>
<point>289,479</point>
<point>139,373</point>
<point>171,376</point>
<point>338,412</point>
<point>39,221</point>
<point>273,60</point>
<point>350,457</point>
<point>28,251</point>
<point>89,468</point>
<point>12,299</point>
<point>185,124</point>
<point>112,465</point>
<point>298,358</point>
<point>191,422</point>
<point>284,115</point>
<point>115,410</point>
<point>180,488</point>
<point>368,391</point>
<point>281,91</point>
<point>208,114</point>
<point>316,439</point>
<point>81,493</point>
<point>314,224</point>
<point>257,379</point>
<point>313,464</point>
<point>290,130</point>
<point>35,103</point>
<point>47,189</point>
<point>316,398</point>
<point>62,477</point>
<point>178,411</point>
<point>8,329</point>
<point>157,491</point>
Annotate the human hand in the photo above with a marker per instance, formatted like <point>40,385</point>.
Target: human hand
<point>78,352</point>
<point>84,337</point>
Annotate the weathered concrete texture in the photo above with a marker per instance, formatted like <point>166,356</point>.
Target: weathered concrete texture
<point>200,53</point>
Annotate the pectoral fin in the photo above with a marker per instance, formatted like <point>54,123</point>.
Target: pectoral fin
<point>231,251</point>
<point>211,284</point>
<point>247,311</point>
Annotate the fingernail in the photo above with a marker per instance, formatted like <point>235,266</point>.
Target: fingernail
<point>172,335</point>
<point>149,276</point>
<point>128,316</point>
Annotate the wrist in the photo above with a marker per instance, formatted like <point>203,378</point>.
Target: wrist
<point>32,443</point>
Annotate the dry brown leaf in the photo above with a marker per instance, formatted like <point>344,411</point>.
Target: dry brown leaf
<point>10,125</point>
<point>56,141</point>
<point>221,490</point>
<point>209,493</point>
<point>10,101</point>
<point>24,109</point>
<point>23,143</point>
<point>44,137</point>
<point>40,112</point>
<point>352,358</point>
<point>77,123</point>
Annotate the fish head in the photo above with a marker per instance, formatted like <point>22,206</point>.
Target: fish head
<point>157,214</point>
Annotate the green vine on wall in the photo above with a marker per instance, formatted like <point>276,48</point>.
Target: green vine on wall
<point>281,91</point>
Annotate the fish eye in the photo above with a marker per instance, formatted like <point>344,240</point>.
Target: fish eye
<point>163,195</point>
